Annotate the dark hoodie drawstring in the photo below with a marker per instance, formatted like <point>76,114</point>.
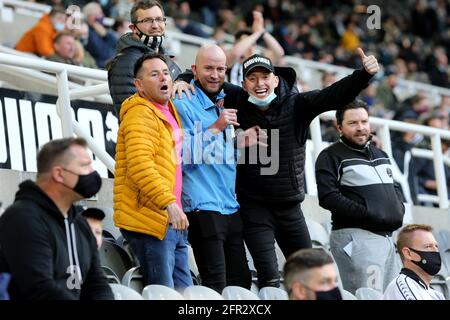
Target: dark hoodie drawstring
<point>69,248</point>
<point>75,253</point>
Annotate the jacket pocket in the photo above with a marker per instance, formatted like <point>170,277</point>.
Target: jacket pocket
<point>385,213</point>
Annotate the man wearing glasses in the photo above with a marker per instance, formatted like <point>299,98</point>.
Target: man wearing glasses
<point>148,26</point>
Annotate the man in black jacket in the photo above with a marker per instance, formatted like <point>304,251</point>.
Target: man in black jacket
<point>46,246</point>
<point>355,182</point>
<point>148,29</point>
<point>270,194</point>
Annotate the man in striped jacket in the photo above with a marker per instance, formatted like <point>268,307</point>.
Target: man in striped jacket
<point>355,182</point>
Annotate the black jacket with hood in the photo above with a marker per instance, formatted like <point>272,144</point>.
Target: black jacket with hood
<point>291,114</point>
<point>38,246</point>
<point>356,184</point>
<point>121,68</point>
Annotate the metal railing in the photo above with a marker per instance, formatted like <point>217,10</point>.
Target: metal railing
<point>32,6</point>
<point>69,125</point>
<point>384,127</point>
<point>63,105</point>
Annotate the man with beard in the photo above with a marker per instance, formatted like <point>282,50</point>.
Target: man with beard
<point>355,182</point>
<point>148,26</point>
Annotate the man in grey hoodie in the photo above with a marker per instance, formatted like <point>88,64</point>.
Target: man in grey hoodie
<point>148,26</point>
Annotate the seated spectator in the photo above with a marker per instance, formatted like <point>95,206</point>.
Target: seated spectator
<point>82,57</point>
<point>39,39</point>
<point>46,246</point>
<point>421,261</point>
<point>444,107</point>
<point>350,39</point>
<point>101,42</point>
<point>439,72</point>
<point>402,143</point>
<point>121,27</point>
<point>310,274</point>
<point>385,94</point>
<point>94,218</point>
<point>185,24</point>
<point>413,107</point>
<point>425,167</point>
<point>64,45</point>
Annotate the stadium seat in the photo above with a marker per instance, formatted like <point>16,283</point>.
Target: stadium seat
<point>108,236</point>
<point>346,295</point>
<point>368,294</point>
<point>121,241</point>
<point>238,293</point>
<point>111,276</point>
<point>192,264</point>
<point>281,259</point>
<point>254,288</point>
<point>444,249</point>
<point>159,292</point>
<point>319,236</point>
<point>115,258</point>
<point>124,293</point>
<point>272,293</point>
<point>201,293</point>
<point>251,265</point>
<point>133,279</point>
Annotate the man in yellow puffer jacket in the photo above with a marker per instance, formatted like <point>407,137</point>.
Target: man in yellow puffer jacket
<point>147,184</point>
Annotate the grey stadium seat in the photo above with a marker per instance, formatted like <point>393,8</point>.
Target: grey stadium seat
<point>238,293</point>
<point>201,293</point>
<point>122,292</point>
<point>160,292</point>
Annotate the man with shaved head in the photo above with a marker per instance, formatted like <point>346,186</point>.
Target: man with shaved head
<point>209,172</point>
<point>421,261</point>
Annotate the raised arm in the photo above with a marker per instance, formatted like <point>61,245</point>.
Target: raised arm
<point>244,44</point>
<point>340,93</point>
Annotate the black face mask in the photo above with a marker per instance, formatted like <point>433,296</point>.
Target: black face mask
<point>333,294</point>
<point>154,42</point>
<point>88,184</point>
<point>430,261</point>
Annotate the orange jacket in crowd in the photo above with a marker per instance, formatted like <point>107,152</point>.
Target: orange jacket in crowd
<point>39,39</point>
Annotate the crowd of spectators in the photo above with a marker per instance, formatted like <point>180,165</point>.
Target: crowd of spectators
<point>410,38</point>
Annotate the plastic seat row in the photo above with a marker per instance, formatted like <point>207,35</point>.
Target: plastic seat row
<point>159,292</point>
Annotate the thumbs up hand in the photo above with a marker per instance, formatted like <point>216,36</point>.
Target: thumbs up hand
<point>370,63</point>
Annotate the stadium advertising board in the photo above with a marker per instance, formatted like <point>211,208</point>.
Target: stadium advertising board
<point>28,120</point>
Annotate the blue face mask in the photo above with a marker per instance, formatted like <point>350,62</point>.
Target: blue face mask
<point>262,103</point>
<point>59,26</point>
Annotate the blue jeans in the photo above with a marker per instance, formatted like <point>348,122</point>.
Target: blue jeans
<point>164,261</point>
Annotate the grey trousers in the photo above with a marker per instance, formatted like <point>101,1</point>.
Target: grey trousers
<point>364,259</point>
